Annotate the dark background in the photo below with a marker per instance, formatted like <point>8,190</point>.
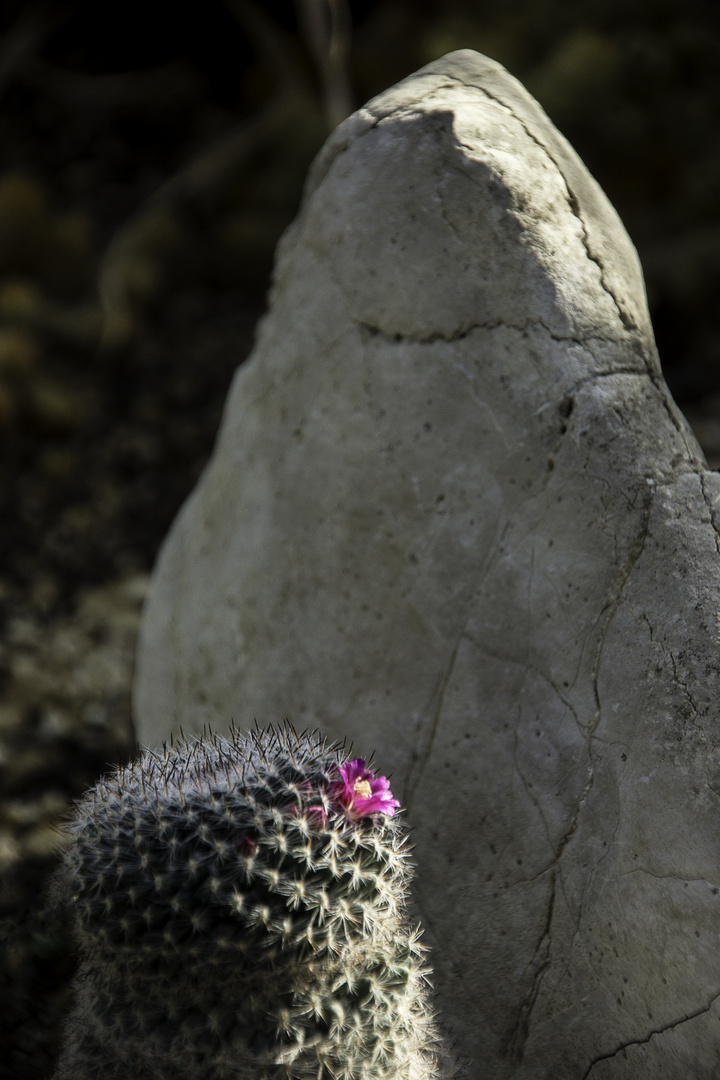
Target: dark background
<point>151,153</point>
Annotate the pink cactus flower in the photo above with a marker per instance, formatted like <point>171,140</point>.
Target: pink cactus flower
<point>361,793</point>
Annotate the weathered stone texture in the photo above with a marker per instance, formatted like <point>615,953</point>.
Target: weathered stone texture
<point>455,515</point>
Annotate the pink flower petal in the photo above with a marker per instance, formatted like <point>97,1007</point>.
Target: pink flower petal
<point>361,793</point>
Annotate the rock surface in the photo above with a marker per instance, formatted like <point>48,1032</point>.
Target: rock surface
<point>455,515</point>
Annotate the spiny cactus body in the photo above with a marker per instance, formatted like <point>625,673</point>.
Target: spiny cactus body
<point>239,908</point>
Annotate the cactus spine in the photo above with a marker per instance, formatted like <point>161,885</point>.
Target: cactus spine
<point>239,908</point>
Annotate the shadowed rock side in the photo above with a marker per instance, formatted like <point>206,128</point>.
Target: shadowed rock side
<point>454,509</point>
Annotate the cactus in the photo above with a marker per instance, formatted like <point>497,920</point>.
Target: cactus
<point>240,912</point>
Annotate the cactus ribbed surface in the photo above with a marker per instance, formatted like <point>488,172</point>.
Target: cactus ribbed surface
<point>240,912</point>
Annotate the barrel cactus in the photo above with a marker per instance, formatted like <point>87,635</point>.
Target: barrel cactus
<point>240,910</point>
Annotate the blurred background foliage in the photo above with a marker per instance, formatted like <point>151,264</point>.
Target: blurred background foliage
<point>151,154</point>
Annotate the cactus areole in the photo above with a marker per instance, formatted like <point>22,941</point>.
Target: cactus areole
<point>240,911</point>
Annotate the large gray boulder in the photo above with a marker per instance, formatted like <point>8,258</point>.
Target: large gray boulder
<point>455,515</point>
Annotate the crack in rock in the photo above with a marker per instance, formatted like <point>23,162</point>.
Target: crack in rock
<point>711,511</point>
<point>651,1035</point>
<point>441,686</point>
<point>610,609</point>
<point>518,1037</point>
<point>684,686</point>
<point>671,877</point>
<point>515,1044</point>
<point>521,328</point>
<point>573,203</point>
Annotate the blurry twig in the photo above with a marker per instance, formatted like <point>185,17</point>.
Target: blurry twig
<point>327,25</point>
<point>155,87</point>
<point>151,232</point>
<point>271,43</point>
<point>22,42</point>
